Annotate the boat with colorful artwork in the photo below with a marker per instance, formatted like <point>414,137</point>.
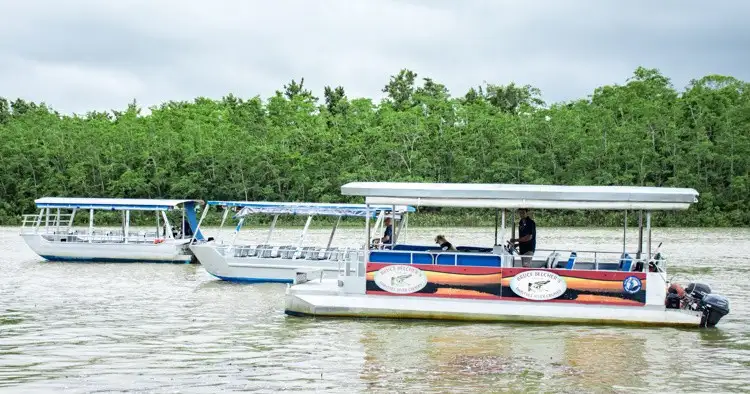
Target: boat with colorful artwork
<point>494,284</point>
<point>261,260</point>
<point>53,235</point>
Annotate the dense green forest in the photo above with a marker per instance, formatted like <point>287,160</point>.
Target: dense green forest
<point>294,146</point>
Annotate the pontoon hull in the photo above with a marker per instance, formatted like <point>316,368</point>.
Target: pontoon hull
<point>255,269</point>
<point>170,251</point>
<point>324,299</point>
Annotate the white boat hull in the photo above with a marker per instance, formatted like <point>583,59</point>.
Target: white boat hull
<point>325,298</point>
<point>256,269</point>
<point>169,251</point>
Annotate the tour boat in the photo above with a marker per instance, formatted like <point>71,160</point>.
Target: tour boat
<point>628,286</point>
<point>52,235</point>
<point>262,260</point>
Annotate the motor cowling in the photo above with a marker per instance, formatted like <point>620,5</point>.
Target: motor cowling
<point>697,290</point>
<point>714,306</point>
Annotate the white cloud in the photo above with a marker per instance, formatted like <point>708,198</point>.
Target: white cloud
<point>82,55</point>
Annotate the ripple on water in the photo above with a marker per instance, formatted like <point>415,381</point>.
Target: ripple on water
<point>149,327</point>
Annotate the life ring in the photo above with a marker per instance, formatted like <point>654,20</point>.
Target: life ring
<point>158,241</point>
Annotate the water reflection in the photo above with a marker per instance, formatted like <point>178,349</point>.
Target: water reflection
<point>150,327</point>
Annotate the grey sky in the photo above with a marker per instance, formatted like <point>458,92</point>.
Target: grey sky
<point>79,55</point>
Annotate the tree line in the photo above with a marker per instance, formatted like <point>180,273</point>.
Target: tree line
<point>294,146</point>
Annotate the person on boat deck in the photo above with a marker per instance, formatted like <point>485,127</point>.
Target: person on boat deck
<point>388,235</point>
<point>444,244</point>
<point>526,237</point>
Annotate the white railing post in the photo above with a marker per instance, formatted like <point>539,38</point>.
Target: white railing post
<point>273,227</point>
<point>91,225</point>
<point>127,225</point>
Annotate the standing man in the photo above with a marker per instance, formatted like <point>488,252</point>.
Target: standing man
<point>526,237</point>
<point>388,236</point>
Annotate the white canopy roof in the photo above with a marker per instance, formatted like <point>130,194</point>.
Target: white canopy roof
<point>110,204</point>
<point>477,195</point>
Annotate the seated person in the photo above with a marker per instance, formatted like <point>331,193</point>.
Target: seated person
<point>444,244</point>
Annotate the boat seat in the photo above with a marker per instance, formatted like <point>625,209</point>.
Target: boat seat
<point>267,251</point>
<point>309,253</point>
<point>412,248</point>
<point>626,262</point>
<point>568,265</point>
<point>342,254</point>
<point>552,259</point>
<point>326,254</point>
<point>287,251</point>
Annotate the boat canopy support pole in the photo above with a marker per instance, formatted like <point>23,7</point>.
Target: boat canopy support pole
<point>273,226</point>
<point>38,220</point>
<point>72,216</point>
<point>640,234</point>
<point>46,222</point>
<point>127,225</point>
<point>157,223</point>
<point>167,225</point>
<point>57,222</point>
<point>223,220</point>
<point>496,225</point>
<point>393,224</point>
<point>304,232</point>
<point>367,238</point>
<point>401,226</point>
<point>502,224</point>
<point>237,229</point>
<point>91,225</point>
<point>198,226</point>
<point>335,226</point>
<point>624,231</point>
<point>648,234</point>
<point>378,223</point>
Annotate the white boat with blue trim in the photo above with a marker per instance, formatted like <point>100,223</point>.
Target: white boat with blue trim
<point>52,233</point>
<point>262,260</point>
<point>495,284</point>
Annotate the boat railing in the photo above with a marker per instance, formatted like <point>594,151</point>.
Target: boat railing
<point>35,223</point>
<point>552,258</point>
<point>102,236</point>
<point>290,252</point>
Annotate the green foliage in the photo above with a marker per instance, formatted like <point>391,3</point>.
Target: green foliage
<point>291,147</point>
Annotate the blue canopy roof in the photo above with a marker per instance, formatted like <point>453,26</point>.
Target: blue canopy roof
<point>111,204</point>
<point>308,208</point>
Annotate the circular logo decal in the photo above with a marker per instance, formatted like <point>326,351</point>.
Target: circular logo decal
<point>538,285</point>
<point>631,284</point>
<point>400,279</point>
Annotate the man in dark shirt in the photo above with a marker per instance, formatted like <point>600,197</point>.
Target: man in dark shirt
<point>526,237</point>
<point>388,235</point>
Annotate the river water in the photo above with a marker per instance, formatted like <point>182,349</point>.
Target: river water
<point>82,327</point>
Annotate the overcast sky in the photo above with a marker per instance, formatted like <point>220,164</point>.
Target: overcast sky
<point>78,55</point>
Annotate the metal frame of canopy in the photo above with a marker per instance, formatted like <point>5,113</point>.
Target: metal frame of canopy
<point>45,204</point>
<point>310,209</point>
<point>511,196</point>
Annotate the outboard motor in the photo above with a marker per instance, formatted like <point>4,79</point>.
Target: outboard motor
<point>698,290</point>
<point>714,307</point>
